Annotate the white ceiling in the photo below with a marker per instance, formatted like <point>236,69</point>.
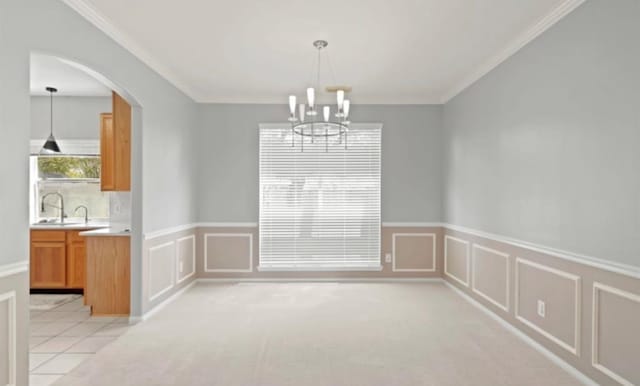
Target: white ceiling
<point>257,51</point>
<point>69,80</point>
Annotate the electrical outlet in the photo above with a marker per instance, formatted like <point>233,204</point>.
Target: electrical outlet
<point>387,258</point>
<point>541,308</point>
<point>181,266</point>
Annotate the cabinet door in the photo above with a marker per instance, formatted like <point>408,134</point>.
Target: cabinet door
<point>122,143</point>
<point>48,264</point>
<point>76,255</point>
<point>107,152</point>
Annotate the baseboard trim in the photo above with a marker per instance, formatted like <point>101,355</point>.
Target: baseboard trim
<point>14,268</point>
<point>581,377</point>
<point>161,305</point>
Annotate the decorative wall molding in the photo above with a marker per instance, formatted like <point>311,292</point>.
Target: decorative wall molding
<point>10,299</point>
<point>193,258</point>
<point>86,10</point>
<point>518,43</point>
<point>154,296</point>
<point>595,311</point>
<point>575,349</point>
<point>14,268</point>
<point>433,253</point>
<point>464,281</point>
<point>89,12</point>
<point>474,262</point>
<point>228,224</point>
<point>250,257</point>
<point>411,224</point>
<point>168,231</point>
<point>606,265</point>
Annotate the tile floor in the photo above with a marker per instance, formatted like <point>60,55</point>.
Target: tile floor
<point>64,337</point>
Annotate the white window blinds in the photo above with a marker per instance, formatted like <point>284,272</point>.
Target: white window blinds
<point>319,203</point>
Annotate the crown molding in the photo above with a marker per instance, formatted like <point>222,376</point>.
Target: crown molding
<point>90,14</point>
<point>494,61</point>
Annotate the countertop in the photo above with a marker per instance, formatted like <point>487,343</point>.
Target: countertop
<point>71,226</point>
<point>90,229</point>
<point>113,230</point>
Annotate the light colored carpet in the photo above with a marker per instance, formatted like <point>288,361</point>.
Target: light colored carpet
<point>319,334</point>
<point>46,302</point>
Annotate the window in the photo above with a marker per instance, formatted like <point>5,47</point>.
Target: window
<point>319,207</point>
<point>76,178</point>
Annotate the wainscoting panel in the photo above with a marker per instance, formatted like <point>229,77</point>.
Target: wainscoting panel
<point>161,269</point>
<point>490,275</point>
<point>186,252</point>
<point>561,293</point>
<point>456,259</point>
<point>8,333</point>
<point>616,333</point>
<point>165,252</point>
<point>228,252</point>
<point>414,252</point>
<point>231,250</point>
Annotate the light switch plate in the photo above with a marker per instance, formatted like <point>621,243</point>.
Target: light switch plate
<point>387,258</point>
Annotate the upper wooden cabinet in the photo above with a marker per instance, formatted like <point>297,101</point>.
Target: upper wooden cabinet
<point>115,146</point>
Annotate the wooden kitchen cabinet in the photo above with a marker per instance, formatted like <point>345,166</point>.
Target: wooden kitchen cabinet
<point>58,259</point>
<point>108,275</point>
<point>107,166</point>
<point>115,146</point>
<point>76,260</point>
<point>48,259</point>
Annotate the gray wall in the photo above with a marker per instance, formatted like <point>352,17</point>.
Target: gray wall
<point>228,149</point>
<point>73,117</point>
<point>163,178</point>
<point>545,147</point>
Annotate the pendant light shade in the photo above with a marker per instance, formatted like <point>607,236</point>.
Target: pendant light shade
<point>51,146</point>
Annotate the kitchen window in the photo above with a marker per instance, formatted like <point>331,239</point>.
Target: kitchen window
<point>76,178</point>
<point>319,204</point>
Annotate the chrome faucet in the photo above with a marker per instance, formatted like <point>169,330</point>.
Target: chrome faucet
<point>86,212</point>
<point>61,207</point>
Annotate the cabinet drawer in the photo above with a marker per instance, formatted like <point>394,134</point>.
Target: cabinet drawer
<point>44,235</point>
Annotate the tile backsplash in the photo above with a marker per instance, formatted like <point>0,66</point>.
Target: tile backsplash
<point>120,207</point>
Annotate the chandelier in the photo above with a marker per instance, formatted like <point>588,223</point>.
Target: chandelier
<point>308,124</point>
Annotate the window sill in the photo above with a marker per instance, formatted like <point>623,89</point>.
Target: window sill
<point>319,269</point>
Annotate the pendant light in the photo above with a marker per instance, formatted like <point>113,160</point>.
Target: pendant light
<point>51,146</point>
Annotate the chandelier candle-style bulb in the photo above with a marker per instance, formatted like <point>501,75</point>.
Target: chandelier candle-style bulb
<point>311,97</point>
<point>292,104</point>
<point>340,98</point>
<point>326,111</point>
<point>301,112</point>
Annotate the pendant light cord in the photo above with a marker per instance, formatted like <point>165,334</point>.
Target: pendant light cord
<point>51,112</point>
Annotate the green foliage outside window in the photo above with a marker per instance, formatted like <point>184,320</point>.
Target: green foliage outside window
<point>69,167</point>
